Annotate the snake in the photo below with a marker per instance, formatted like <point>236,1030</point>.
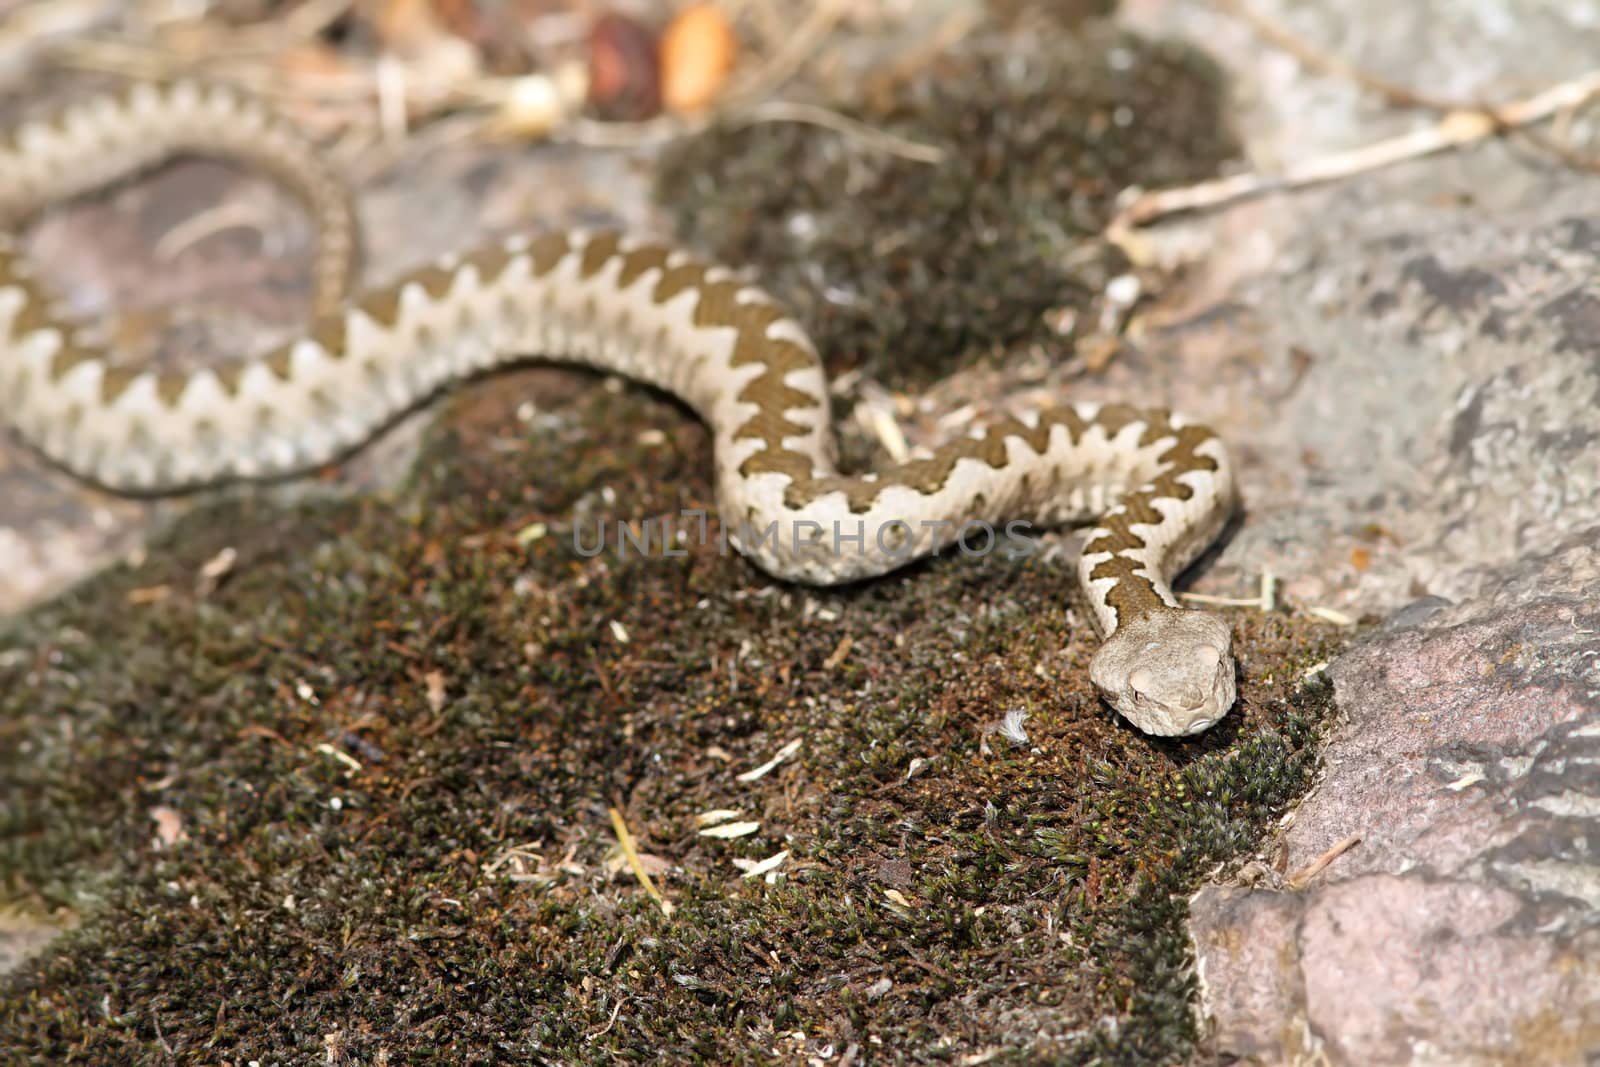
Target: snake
<point>1154,488</point>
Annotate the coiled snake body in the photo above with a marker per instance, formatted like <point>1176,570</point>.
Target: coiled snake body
<point>1158,487</point>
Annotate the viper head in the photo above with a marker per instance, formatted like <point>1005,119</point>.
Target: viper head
<point>1169,673</point>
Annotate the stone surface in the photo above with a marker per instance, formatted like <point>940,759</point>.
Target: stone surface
<point>1461,928</point>
<point>1426,406</point>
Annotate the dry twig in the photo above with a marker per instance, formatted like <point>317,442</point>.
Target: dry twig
<point>1461,124</point>
<point>1302,878</point>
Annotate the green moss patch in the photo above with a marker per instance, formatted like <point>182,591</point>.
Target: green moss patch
<point>392,735</point>
<point>909,269</point>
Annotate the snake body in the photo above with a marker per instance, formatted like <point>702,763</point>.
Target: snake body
<point>1158,488</point>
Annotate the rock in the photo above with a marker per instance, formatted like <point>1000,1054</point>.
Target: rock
<point>1423,447</point>
<point>1460,929</point>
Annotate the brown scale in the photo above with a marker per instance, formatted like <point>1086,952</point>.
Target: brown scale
<point>636,263</point>
<point>546,250</point>
<point>490,261</point>
<point>601,249</point>
<point>675,280</point>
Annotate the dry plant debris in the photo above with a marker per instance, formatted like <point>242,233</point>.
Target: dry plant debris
<point>1461,123</point>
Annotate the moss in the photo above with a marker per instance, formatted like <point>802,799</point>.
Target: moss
<point>392,734</point>
<point>908,269</point>
<point>351,840</point>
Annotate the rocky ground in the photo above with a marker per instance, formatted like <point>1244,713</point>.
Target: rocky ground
<point>366,776</point>
<point>1442,447</point>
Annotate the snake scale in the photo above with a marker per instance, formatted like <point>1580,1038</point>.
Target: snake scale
<point>1157,487</point>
